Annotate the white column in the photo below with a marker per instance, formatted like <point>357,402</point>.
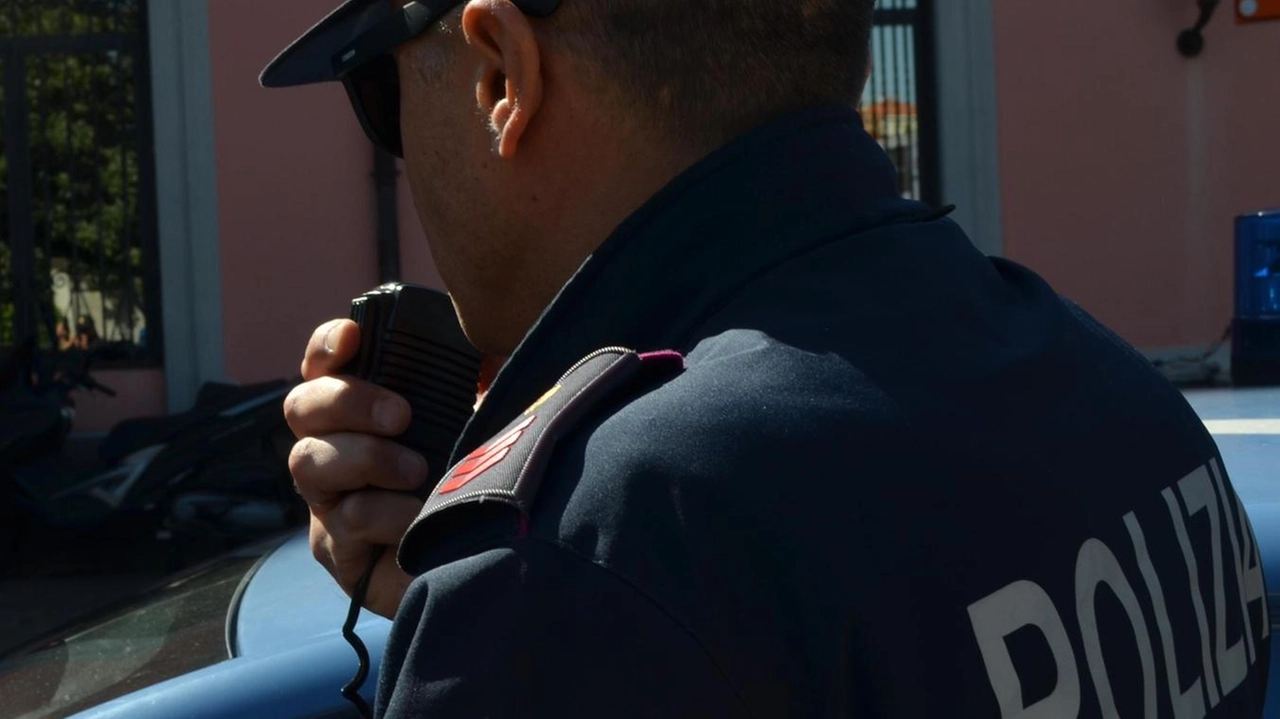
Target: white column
<point>186,196</point>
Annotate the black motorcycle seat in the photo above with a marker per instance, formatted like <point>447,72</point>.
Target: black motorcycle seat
<point>133,435</point>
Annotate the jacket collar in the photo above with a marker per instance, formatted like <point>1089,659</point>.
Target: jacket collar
<point>799,182</point>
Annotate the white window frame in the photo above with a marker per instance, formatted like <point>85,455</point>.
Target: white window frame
<point>968,132</point>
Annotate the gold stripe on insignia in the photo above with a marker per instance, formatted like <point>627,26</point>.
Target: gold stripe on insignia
<point>542,400</point>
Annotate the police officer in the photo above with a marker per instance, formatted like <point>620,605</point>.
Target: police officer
<point>836,463</point>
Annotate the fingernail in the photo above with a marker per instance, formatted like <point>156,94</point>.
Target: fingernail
<point>413,467</point>
<point>328,338</point>
<point>388,413</point>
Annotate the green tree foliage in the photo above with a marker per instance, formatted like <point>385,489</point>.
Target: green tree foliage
<point>25,18</point>
<point>83,137</point>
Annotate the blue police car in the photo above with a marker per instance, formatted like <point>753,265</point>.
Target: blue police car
<point>257,633</point>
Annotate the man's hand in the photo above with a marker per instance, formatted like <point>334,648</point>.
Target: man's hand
<point>356,481</point>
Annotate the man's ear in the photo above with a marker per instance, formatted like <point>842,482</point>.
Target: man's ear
<point>509,83</point>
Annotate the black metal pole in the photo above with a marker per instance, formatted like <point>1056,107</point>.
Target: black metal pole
<point>22,239</point>
<point>926,64</point>
<point>148,227</point>
<point>385,176</point>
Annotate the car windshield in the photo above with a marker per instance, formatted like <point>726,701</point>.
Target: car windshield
<point>177,629</point>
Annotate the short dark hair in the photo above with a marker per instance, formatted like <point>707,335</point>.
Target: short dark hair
<point>709,70</point>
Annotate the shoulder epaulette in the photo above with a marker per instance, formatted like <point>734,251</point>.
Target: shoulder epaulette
<point>505,473</point>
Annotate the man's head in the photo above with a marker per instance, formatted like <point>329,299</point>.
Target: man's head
<point>704,72</point>
<point>528,139</point>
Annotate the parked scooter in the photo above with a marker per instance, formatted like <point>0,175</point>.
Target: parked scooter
<point>36,409</point>
<point>36,415</point>
<point>201,481</point>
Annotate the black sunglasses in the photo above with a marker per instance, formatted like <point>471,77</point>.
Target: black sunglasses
<point>371,77</point>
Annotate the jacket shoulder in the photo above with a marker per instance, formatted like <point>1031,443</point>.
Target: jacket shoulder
<point>747,412</point>
<point>496,485</point>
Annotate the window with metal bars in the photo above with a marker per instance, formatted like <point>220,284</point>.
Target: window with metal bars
<point>899,106</point>
<point>78,258</point>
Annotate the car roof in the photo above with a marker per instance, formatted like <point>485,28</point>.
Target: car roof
<point>290,658</point>
<point>292,601</point>
<point>1246,425</point>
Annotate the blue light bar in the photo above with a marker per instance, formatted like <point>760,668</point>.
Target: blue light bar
<point>1258,266</point>
<point>1255,353</point>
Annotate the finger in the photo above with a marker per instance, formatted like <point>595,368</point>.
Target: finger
<point>344,543</point>
<point>325,469</point>
<point>387,587</point>
<point>332,346</point>
<point>332,405</point>
<point>369,518</point>
<point>321,546</point>
<point>387,584</point>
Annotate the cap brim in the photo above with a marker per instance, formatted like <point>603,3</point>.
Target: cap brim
<point>310,58</point>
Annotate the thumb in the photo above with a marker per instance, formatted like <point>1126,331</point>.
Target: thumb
<point>333,345</point>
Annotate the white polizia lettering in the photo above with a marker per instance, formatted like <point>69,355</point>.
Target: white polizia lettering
<point>1199,496</point>
<point>1197,601</point>
<point>1222,666</point>
<point>1097,566</point>
<point>1254,590</point>
<point>1019,605</point>
<point>1238,558</point>
<point>1188,703</point>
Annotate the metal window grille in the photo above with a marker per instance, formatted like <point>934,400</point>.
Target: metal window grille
<point>78,257</point>
<point>899,106</point>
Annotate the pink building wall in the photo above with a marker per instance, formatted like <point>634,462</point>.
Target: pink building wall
<point>296,195</point>
<point>1123,164</point>
<point>296,210</point>
<point>140,393</point>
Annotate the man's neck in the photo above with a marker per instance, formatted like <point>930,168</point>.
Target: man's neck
<point>619,182</point>
<point>605,182</point>
<point>785,188</point>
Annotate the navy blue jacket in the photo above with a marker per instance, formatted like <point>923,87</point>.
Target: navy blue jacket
<point>897,478</point>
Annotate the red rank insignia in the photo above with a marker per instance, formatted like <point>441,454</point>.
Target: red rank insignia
<point>484,459</point>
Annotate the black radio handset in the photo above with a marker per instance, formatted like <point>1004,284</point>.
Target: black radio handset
<point>411,343</point>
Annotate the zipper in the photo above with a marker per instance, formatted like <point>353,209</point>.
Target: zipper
<point>594,355</point>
